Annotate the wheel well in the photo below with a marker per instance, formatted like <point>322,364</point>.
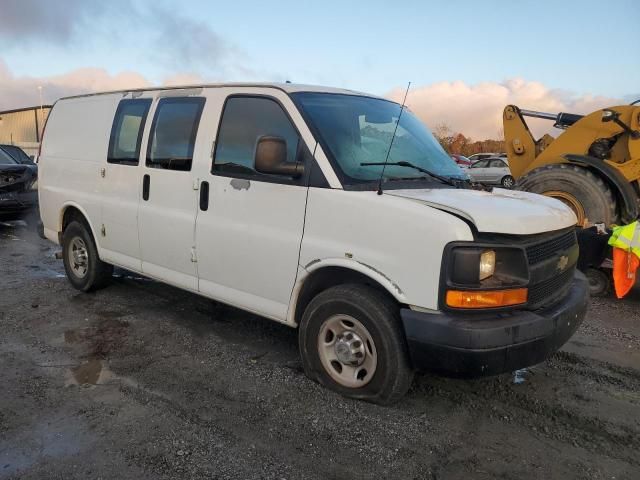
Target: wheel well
<point>72,214</point>
<point>328,277</point>
<point>575,172</point>
<point>622,189</point>
<point>621,201</point>
<point>607,181</point>
<point>615,190</point>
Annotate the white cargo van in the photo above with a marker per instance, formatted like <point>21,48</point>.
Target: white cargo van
<point>266,197</point>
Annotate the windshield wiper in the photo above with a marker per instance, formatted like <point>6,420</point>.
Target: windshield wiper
<point>449,181</point>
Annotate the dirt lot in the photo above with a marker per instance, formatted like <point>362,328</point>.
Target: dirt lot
<point>142,380</point>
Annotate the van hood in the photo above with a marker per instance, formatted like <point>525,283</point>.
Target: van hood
<point>499,211</point>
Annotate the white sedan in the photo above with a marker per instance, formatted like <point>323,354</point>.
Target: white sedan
<point>492,171</point>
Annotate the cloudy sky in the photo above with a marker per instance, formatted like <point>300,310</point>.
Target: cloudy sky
<point>466,59</point>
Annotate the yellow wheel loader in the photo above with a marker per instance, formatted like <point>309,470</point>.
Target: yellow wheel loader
<point>593,166</point>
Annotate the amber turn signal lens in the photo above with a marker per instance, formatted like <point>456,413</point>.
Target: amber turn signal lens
<point>486,299</point>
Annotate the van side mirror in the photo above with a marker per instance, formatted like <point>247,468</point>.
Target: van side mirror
<point>271,158</point>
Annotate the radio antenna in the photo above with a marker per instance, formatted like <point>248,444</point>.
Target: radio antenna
<point>386,159</point>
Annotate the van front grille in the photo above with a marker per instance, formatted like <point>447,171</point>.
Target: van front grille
<point>546,249</point>
<point>551,289</point>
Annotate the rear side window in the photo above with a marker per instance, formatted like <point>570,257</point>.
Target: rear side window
<point>498,163</point>
<point>126,132</point>
<point>244,121</point>
<point>173,133</point>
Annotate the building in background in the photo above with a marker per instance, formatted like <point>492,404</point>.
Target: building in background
<point>23,127</point>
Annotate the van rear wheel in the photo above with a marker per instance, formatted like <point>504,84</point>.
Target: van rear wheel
<point>351,341</point>
<point>82,264</point>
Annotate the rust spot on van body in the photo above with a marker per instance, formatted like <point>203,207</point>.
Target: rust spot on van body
<point>312,262</point>
<point>393,284</point>
<point>240,184</point>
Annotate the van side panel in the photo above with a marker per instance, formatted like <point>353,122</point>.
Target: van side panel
<point>121,190</point>
<point>74,150</point>
<point>403,242</point>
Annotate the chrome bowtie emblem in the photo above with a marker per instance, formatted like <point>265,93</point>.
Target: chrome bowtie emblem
<point>562,263</point>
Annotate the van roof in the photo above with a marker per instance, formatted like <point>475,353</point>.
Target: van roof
<point>285,87</point>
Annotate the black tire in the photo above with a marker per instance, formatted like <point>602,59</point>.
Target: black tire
<point>507,182</point>
<point>594,196</point>
<point>380,316</point>
<point>98,273</point>
<point>599,282</point>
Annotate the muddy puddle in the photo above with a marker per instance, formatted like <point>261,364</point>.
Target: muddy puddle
<point>10,229</point>
<point>13,223</point>
<point>40,271</point>
<point>98,341</point>
<point>92,372</point>
<point>94,344</point>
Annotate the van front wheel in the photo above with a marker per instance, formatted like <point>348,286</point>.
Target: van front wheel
<point>82,264</point>
<point>352,342</point>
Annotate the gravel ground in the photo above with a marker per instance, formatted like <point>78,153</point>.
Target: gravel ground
<point>142,380</point>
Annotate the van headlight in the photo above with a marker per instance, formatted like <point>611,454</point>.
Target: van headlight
<point>487,264</point>
<point>484,276</point>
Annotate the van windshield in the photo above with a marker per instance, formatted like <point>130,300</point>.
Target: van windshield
<point>358,130</point>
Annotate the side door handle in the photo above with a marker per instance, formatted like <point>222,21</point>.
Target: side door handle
<point>146,183</point>
<point>204,196</point>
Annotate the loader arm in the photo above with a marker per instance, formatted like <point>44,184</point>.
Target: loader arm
<point>526,154</point>
<point>519,142</point>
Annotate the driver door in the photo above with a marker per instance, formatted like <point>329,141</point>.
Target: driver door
<point>249,225</point>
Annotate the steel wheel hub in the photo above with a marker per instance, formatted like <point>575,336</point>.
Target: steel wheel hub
<point>78,257</point>
<point>347,351</point>
<point>350,349</point>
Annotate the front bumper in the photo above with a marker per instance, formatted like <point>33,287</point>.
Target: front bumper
<point>16,202</point>
<point>488,344</point>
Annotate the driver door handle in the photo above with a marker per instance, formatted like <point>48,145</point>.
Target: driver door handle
<point>204,196</point>
<point>146,184</point>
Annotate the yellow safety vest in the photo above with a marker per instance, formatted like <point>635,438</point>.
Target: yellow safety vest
<point>627,237</point>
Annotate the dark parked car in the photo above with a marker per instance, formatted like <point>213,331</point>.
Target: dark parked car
<point>17,154</point>
<point>17,186</point>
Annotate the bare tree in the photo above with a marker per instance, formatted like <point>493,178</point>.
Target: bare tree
<point>444,134</point>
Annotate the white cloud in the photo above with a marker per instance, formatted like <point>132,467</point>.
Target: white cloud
<point>183,79</point>
<point>18,92</point>
<point>476,110</point>
<point>45,20</point>
<point>168,39</point>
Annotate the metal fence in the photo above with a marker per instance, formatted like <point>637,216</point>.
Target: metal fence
<point>23,127</point>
